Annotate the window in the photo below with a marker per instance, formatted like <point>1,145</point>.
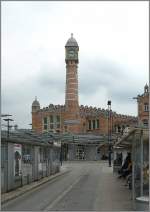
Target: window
<point>51,126</point>
<point>58,118</point>
<point>45,120</point>
<point>98,151</point>
<point>146,108</point>
<point>145,123</point>
<point>41,154</point>
<point>45,123</point>
<point>51,122</point>
<point>93,124</point>
<point>89,124</point>
<point>51,119</point>
<point>97,123</point>
<point>45,127</point>
<point>26,154</point>
<point>44,155</point>
<point>57,121</point>
<point>65,128</point>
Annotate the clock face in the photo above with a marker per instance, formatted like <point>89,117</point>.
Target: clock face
<point>71,54</point>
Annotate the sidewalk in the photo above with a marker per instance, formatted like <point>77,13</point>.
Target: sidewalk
<point>21,190</point>
<point>113,195</point>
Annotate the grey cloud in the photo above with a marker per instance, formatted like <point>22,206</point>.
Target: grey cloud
<point>50,79</point>
<point>102,73</point>
<point>109,76</point>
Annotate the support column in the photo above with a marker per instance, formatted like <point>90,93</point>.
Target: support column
<point>141,148</point>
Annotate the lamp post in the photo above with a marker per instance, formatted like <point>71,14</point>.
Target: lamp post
<point>8,126</point>
<point>61,155</point>
<point>109,132</point>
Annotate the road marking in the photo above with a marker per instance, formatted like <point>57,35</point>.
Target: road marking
<point>62,195</point>
<point>30,190</point>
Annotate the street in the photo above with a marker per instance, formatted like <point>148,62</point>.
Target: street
<point>88,186</point>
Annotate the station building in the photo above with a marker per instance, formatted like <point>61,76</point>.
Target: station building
<point>72,117</point>
<point>143,108</point>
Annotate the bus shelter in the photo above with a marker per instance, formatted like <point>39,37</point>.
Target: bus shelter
<point>138,140</point>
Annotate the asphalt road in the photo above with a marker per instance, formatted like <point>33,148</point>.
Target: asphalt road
<point>88,186</point>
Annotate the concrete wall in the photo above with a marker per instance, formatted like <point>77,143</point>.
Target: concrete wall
<point>10,177</point>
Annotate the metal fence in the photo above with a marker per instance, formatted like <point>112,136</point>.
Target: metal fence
<point>23,163</point>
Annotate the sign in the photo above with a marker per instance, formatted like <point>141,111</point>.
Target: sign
<point>71,122</point>
<point>17,159</point>
<point>58,144</point>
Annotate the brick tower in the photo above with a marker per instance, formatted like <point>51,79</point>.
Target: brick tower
<point>72,117</point>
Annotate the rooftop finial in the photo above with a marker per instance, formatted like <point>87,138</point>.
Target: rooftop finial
<point>146,88</point>
<point>35,97</point>
<point>71,35</point>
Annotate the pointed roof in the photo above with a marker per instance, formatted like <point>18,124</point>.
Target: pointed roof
<point>71,42</point>
<point>35,102</point>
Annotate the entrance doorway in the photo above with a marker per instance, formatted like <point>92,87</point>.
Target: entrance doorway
<point>80,153</point>
<point>64,151</point>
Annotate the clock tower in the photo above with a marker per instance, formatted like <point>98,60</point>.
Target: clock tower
<point>72,117</point>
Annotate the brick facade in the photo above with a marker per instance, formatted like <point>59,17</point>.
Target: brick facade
<point>143,108</point>
<point>71,117</point>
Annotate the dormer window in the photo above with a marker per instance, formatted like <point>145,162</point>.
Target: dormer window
<point>146,107</point>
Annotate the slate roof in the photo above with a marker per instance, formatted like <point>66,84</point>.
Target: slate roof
<point>71,42</point>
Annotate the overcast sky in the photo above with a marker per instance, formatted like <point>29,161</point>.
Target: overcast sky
<point>113,54</point>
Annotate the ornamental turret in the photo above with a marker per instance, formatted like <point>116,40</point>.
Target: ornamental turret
<point>35,105</point>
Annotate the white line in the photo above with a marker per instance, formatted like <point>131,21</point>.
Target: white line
<point>72,93</point>
<point>72,83</point>
<point>62,195</point>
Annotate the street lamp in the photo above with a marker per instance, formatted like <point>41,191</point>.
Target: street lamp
<point>4,115</point>
<point>109,132</point>
<point>61,156</point>
<point>8,126</point>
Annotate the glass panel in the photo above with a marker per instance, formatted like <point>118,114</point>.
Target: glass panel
<point>45,127</point>
<point>89,124</point>
<point>45,120</point>
<point>58,118</point>
<point>93,124</point>
<point>146,107</point>
<point>97,123</point>
<point>27,154</point>
<point>51,119</point>
<point>145,123</point>
<point>51,126</point>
